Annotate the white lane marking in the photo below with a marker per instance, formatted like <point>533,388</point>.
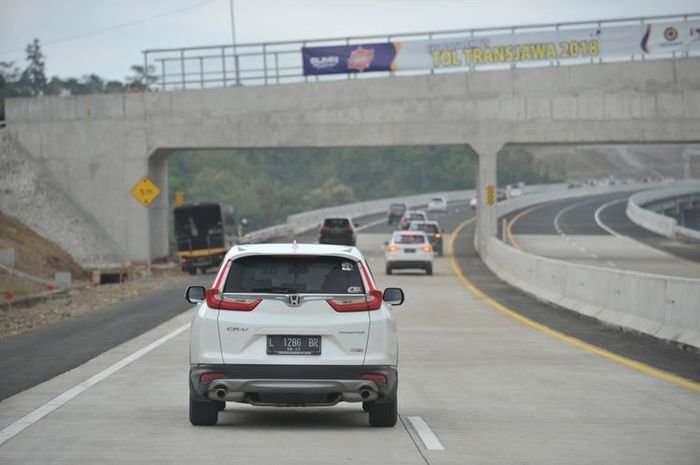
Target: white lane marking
<point>370,224</point>
<point>426,435</point>
<point>28,420</point>
<point>608,228</point>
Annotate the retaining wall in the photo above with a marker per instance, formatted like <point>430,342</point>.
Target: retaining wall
<point>661,306</point>
<point>656,222</point>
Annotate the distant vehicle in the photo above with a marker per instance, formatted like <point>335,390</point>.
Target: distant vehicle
<point>395,212</point>
<point>412,215</point>
<point>576,184</point>
<point>513,191</point>
<point>338,231</point>
<point>432,230</point>
<point>501,195</point>
<point>203,234</point>
<point>293,325</point>
<point>437,204</point>
<point>409,250</point>
<point>474,202</point>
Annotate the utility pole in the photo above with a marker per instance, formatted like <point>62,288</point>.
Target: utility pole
<point>233,42</point>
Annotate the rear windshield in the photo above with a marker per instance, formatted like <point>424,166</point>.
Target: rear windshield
<point>416,216</point>
<point>427,227</point>
<point>438,199</point>
<point>398,207</point>
<point>292,275</point>
<point>336,222</point>
<point>409,239</point>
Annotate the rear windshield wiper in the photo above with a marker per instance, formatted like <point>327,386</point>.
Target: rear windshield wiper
<point>275,290</point>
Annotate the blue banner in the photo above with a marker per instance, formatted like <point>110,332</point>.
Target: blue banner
<point>348,58</point>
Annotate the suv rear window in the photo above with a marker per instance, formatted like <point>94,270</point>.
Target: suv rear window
<point>416,216</point>
<point>427,227</point>
<point>293,275</point>
<point>336,222</point>
<point>398,207</point>
<point>409,239</point>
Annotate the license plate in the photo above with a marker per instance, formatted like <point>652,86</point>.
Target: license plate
<point>409,250</point>
<point>294,345</point>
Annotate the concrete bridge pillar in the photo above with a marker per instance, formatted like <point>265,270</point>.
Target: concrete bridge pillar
<point>487,222</point>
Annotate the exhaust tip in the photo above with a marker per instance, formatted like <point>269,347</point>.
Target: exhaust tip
<point>220,393</point>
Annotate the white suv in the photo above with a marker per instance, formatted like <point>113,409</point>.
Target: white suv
<point>293,325</point>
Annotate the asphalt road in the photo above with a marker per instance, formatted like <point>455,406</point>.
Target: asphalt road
<point>595,230</point>
<point>491,390</point>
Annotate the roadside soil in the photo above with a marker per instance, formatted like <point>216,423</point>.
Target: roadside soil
<point>41,258</point>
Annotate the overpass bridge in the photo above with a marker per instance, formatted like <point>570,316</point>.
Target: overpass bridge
<point>98,147</point>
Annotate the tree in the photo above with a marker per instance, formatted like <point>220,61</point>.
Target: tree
<point>33,78</point>
<point>141,79</point>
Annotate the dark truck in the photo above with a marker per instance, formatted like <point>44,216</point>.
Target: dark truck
<point>204,232</point>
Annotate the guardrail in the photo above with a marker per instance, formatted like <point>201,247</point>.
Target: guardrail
<point>656,222</point>
<point>662,306</point>
<point>280,62</point>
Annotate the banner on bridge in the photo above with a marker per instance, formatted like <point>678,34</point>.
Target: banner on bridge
<point>657,39</point>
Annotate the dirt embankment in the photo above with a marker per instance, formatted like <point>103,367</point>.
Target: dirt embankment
<point>41,258</point>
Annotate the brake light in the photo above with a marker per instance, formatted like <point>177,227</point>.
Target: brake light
<point>324,229</point>
<point>209,377</point>
<point>376,377</point>
<point>393,248</point>
<point>426,248</point>
<point>373,301</point>
<point>348,228</point>
<point>218,301</point>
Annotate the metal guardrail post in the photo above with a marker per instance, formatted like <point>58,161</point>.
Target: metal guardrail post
<point>277,67</point>
<point>182,68</point>
<point>201,72</point>
<point>223,63</point>
<point>264,55</point>
<point>238,71</point>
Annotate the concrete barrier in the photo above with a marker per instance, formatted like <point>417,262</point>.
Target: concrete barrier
<point>661,306</point>
<point>656,222</point>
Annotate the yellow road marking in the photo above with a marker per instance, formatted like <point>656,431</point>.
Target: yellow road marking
<point>478,293</point>
<point>515,219</point>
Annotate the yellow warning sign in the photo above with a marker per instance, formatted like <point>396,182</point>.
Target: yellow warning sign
<point>490,195</point>
<point>179,198</point>
<point>145,191</point>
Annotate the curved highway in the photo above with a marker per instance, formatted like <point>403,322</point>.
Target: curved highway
<point>595,230</point>
<point>478,385</point>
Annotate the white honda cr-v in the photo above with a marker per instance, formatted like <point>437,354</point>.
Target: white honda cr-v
<point>293,325</point>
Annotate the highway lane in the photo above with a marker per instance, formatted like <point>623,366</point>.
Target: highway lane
<point>491,389</point>
<point>596,231</point>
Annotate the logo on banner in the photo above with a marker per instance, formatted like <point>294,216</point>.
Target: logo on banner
<point>324,62</point>
<point>671,33</point>
<point>361,58</point>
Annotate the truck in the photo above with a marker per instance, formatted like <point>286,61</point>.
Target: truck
<point>204,232</point>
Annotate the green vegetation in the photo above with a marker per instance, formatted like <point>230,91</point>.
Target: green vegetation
<point>32,80</point>
<point>266,185</point>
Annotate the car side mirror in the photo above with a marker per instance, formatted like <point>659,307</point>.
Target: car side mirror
<point>195,294</point>
<point>393,295</point>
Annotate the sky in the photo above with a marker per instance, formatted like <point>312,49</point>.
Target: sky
<point>106,37</point>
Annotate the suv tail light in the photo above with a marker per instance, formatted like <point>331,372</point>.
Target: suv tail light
<point>371,302</point>
<point>209,377</point>
<point>376,377</point>
<point>426,248</point>
<point>324,229</point>
<point>348,228</point>
<point>218,301</point>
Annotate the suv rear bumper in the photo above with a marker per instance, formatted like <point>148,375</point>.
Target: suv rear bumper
<point>293,384</point>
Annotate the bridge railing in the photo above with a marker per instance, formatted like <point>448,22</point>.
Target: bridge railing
<point>281,62</point>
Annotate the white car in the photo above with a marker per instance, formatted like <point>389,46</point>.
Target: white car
<point>293,325</point>
<point>437,204</point>
<point>473,202</point>
<point>409,250</point>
